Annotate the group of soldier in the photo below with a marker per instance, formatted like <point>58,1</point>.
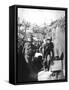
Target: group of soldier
<point>38,54</point>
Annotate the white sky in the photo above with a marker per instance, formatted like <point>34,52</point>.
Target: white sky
<point>39,16</point>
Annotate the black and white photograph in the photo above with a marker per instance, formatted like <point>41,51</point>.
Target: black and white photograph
<point>40,45</point>
<point>34,40</point>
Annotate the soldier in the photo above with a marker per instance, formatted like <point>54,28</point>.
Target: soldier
<point>29,60</point>
<point>49,52</point>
